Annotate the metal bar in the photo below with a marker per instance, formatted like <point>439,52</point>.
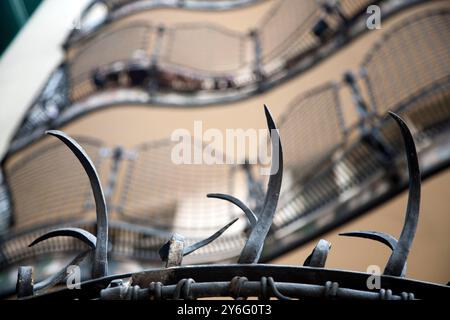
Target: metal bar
<point>200,244</point>
<point>117,157</point>
<point>257,65</point>
<point>100,268</point>
<point>254,245</point>
<point>247,289</point>
<point>77,233</point>
<point>370,133</point>
<point>4,184</point>
<point>252,218</point>
<point>157,47</point>
<point>360,104</point>
<point>397,260</point>
<point>318,257</point>
<point>154,74</point>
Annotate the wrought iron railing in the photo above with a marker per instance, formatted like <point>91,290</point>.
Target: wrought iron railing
<point>247,278</point>
<point>343,168</point>
<point>314,120</point>
<point>153,193</point>
<point>411,69</point>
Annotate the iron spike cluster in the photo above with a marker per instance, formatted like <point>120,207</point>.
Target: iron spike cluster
<point>173,251</point>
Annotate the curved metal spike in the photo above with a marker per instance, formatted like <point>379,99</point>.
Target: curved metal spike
<point>254,245</point>
<point>318,256</point>
<point>397,260</point>
<point>208,240</point>
<point>382,237</point>
<point>44,285</point>
<point>77,233</point>
<point>100,267</point>
<point>248,212</point>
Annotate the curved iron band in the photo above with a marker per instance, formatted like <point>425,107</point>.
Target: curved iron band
<point>202,243</point>
<point>397,260</point>
<point>219,273</point>
<point>254,245</point>
<point>252,219</point>
<point>100,268</point>
<point>77,233</point>
<point>381,237</point>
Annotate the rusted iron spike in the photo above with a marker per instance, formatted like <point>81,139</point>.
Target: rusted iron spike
<point>254,245</point>
<point>174,250</point>
<point>397,260</point>
<point>382,237</point>
<point>100,267</point>
<point>318,256</point>
<point>247,211</point>
<point>77,233</point>
<point>396,265</point>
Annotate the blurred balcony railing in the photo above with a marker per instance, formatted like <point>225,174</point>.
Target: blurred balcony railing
<point>100,12</point>
<point>133,5</point>
<point>196,57</point>
<point>194,63</point>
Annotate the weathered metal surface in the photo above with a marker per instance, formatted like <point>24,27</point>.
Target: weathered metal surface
<point>318,257</point>
<point>172,251</point>
<point>213,275</point>
<point>25,281</point>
